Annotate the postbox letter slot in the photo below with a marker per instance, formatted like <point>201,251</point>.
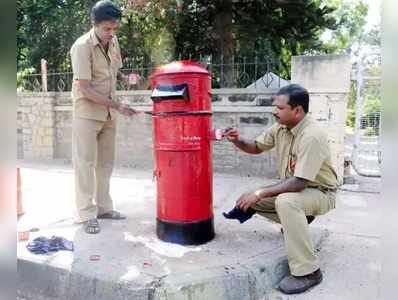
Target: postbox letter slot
<point>170,92</point>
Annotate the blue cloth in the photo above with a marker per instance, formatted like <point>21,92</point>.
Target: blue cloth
<point>239,214</point>
<point>43,245</point>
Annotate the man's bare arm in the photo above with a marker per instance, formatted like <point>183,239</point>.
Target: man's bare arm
<point>292,184</point>
<point>92,95</point>
<point>121,77</point>
<point>246,146</point>
<point>249,147</point>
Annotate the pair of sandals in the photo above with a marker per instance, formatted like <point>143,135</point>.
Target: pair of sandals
<point>92,226</point>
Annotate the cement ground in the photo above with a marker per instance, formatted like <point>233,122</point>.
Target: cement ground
<point>242,262</point>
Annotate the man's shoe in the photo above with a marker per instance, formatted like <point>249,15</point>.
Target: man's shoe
<point>298,284</point>
<point>310,219</point>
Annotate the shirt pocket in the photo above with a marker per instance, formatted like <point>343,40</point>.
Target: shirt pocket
<point>115,59</point>
<point>100,67</point>
<point>292,161</point>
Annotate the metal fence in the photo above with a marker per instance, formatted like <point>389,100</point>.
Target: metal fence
<point>366,150</point>
<point>237,73</point>
<point>56,82</point>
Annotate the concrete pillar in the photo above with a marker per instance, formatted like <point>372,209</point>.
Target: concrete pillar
<point>38,130</point>
<point>44,75</point>
<point>327,78</point>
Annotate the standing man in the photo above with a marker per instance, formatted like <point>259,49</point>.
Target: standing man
<point>307,187</point>
<point>96,61</point>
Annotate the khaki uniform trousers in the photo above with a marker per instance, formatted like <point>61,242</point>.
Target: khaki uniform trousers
<point>290,209</point>
<point>93,152</point>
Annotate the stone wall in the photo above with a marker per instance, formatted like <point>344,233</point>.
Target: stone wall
<point>36,122</point>
<point>327,78</point>
<point>45,120</point>
<point>249,112</point>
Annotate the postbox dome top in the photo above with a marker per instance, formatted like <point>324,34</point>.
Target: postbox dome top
<point>183,66</point>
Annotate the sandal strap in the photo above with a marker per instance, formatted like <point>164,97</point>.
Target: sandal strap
<point>93,222</point>
<point>115,214</point>
<point>92,226</point>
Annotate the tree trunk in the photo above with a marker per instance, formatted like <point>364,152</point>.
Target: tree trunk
<point>224,41</point>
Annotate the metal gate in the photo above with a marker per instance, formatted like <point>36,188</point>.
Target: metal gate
<point>366,150</point>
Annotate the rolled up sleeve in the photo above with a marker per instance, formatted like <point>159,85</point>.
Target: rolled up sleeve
<point>81,61</point>
<point>310,157</point>
<point>266,140</point>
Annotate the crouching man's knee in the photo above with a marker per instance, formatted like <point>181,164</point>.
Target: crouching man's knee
<point>286,202</point>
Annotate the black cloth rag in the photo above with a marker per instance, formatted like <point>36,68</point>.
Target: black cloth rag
<point>43,245</point>
<point>239,214</point>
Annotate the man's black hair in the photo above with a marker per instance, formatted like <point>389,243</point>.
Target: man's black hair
<point>105,10</point>
<point>298,96</point>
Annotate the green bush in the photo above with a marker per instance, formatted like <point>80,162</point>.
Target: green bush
<point>350,121</point>
<point>370,131</point>
<point>21,78</point>
<point>372,105</point>
<point>370,114</point>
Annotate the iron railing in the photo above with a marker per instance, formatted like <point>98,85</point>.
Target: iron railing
<point>260,72</point>
<point>56,82</point>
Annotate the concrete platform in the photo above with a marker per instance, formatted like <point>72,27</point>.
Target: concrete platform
<point>242,262</point>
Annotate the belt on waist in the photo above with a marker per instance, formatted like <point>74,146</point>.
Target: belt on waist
<point>324,189</point>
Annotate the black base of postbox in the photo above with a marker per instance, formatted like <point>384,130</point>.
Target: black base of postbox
<point>193,233</point>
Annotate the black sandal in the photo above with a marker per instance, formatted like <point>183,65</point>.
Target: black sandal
<point>92,226</point>
<point>113,215</point>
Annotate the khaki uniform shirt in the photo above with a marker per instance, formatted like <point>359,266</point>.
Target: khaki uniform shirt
<point>302,152</point>
<point>91,62</point>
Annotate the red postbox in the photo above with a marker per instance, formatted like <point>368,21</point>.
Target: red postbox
<point>182,150</point>
<point>20,208</point>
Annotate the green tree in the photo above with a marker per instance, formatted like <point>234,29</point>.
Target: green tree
<point>47,29</point>
<point>147,32</point>
<point>162,30</point>
<point>227,28</point>
<point>348,34</point>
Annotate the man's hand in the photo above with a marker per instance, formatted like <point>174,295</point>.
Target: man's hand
<point>124,79</point>
<point>126,110</point>
<point>231,134</point>
<point>246,200</point>
<point>247,146</point>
